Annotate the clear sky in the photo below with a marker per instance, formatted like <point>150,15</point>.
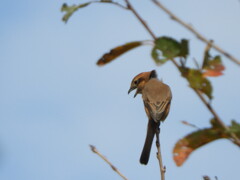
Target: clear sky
<point>54,100</point>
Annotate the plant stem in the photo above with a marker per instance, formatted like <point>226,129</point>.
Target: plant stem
<point>93,148</point>
<point>130,7</point>
<point>210,108</point>
<point>159,156</point>
<point>195,32</point>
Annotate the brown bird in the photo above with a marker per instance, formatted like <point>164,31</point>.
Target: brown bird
<point>157,98</point>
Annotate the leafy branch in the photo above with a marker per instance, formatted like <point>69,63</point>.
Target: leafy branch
<point>194,31</point>
<point>180,68</point>
<point>69,10</point>
<point>168,49</point>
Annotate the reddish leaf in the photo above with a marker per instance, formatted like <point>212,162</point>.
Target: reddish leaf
<point>217,71</point>
<point>184,147</point>
<point>116,52</point>
<point>212,67</point>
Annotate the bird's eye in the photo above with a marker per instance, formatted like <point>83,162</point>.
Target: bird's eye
<point>136,82</point>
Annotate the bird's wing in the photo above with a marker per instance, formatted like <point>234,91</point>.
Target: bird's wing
<point>158,111</point>
<point>157,99</point>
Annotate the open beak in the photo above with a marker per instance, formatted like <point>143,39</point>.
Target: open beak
<point>135,94</point>
<point>131,89</point>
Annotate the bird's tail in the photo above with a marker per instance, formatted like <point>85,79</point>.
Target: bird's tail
<point>151,130</point>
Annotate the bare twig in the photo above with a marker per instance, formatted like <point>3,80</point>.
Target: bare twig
<point>159,156</point>
<point>93,148</point>
<point>111,2</point>
<point>194,31</point>
<point>130,7</point>
<point>190,124</point>
<point>207,48</point>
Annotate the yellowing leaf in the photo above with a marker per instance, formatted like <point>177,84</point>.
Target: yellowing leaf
<point>71,9</point>
<point>184,147</point>
<point>197,81</point>
<point>117,51</point>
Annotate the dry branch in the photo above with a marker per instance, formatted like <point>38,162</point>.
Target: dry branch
<point>93,148</point>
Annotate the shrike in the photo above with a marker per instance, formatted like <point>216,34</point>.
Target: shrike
<point>157,98</point>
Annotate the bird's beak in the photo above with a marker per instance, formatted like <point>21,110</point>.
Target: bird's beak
<point>131,89</point>
<point>135,94</point>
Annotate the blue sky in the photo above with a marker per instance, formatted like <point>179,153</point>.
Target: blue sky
<point>54,100</point>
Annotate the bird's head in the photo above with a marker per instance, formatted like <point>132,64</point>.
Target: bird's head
<point>140,80</point>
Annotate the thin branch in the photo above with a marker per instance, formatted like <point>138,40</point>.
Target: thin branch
<point>210,108</point>
<point>111,2</point>
<point>190,124</point>
<point>206,50</point>
<point>159,156</point>
<point>93,148</point>
<point>130,7</point>
<point>217,118</point>
<point>194,31</point>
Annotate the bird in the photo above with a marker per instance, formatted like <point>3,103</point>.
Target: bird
<point>157,98</point>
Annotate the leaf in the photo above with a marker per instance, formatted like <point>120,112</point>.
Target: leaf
<point>167,48</point>
<point>197,81</point>
<point>71,9</point>
<point>184,51</point>
<point>212,67</point>
<point>184,147</point>
<point>235,128</point>
<point>156,53</point>
<point>117,51</point>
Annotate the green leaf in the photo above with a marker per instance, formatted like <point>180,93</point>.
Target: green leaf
<point>197,81</point>
<point>235,128</point>
<point>167,48</point>
<point>117,51</point>
<point>71,9</point>
<point>184,51</point>
<point>156,55</point>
